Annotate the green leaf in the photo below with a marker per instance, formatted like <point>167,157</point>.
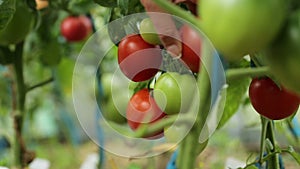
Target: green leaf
<point>235,95</point>
<point>7,10</point>
<point>107,3</point>
<point>123,5</point>
<point>81,6</point>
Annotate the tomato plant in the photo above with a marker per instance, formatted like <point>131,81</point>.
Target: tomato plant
<point>19,26</point>
<point>148,32</point>
<point>191,47</point>
<point>237,28</point>
<point>270,100</point>
<point>137,59</point>
<point>142,109</point>
<point>174,92</point>
<point>75,28</point>
<point>283,56</point>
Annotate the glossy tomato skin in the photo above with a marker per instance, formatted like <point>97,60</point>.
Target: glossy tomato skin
<point>138,60</point>
<point>270,101</point>
<point>75,28</point>
<point>148,32</point>
<point>240,27</point>
<point>283,57</point>
<point>174,92</point>
<point>191,47</point>
<point>142,109</point>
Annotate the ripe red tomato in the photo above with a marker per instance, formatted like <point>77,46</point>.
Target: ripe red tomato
<point>270,100</point>
<point>191,47</point>
<point>142,109</point>
<point>138,60</point>
<point>75,28</point>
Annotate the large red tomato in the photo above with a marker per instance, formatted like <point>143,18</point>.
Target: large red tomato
<point>138,60</point>
<point>142,109</point>
<point>191,47</point>
<point>270,100</point>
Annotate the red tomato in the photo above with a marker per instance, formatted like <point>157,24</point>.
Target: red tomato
<point>191,47</point>
<point>271,101</point>
<point>138,60</point>
<point>75,28</point>
<point>87,22</point>
<point>142,109</point>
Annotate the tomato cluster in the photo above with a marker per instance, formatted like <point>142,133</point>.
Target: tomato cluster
<point>140,59</point>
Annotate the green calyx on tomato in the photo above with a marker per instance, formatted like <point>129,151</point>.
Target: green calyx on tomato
<point>271,101</point>
<point>283,57</point>
<point>240,27</point>
<point>138,60</point>
<point>142,109</point>
<point>174,92</point>
<point>18,27</point>
<point>148,32</point>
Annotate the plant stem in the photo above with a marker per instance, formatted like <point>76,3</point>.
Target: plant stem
<point>273,163</point>
<point>264,123</point>
<point>19,146</point>
<point>40,84</point>
<point>145,130</point>
<point>187,153</point>
<point>233,74</point>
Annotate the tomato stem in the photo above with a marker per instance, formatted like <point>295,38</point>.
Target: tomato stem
<point>264,123</point>
<point>187,153</point>
<point>273,163</point>
<point>233,74</point>
<point>147,129</point>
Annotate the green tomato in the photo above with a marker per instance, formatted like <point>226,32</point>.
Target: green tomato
<point>115,109</point>
<point>174,92</point>
<point>148,32</point>
<point>283,57</point>
<point>240,27</point>
<point>18,27</point>
<point>115,99</point>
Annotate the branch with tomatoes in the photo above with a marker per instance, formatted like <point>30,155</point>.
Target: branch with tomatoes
<point>273,51</point>
<point>165,88</point>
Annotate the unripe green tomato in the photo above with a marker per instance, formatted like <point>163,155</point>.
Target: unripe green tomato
<point>283,57</point>
<point>19,26</point>
<point>240,27</point>
<point>115,101</point>
<point>148,32</point>
<point>115,109</point>
<point>174,92</point>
